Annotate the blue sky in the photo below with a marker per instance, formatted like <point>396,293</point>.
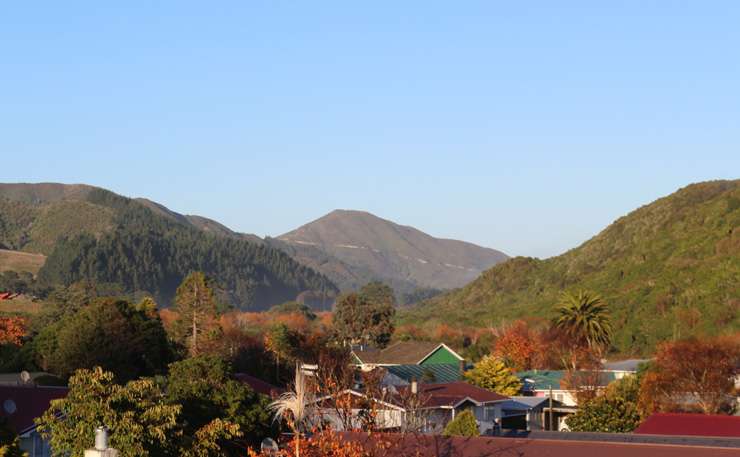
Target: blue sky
<point>526,128</point>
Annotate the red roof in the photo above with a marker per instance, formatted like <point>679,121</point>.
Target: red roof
<point>452,393</point>
<point>21,405</point>
<point>436,445</point>
<point>258,385</point>
<point>690,425</point>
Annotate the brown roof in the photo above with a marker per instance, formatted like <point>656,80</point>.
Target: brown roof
<point>435,445</point>
<point>21,405</point>
<point>452,393</point>
<point>400,353</point>
<point>690,425</point>
<point>258,385</point>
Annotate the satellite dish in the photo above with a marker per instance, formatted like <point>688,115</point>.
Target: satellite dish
<point>268,445</point>
<point>25,377</point>
<point>9,406</point>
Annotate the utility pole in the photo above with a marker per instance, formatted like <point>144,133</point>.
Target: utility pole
<point>551,425</point>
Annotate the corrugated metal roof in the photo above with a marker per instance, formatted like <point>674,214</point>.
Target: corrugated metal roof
<point>680,424</point>
<point>430,374</point>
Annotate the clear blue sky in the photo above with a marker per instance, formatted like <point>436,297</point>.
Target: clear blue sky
<point>524,128</point>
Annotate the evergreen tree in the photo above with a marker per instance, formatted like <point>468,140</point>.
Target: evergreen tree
<point>196,308</point>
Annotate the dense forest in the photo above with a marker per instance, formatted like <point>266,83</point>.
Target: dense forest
<point>121,244</point>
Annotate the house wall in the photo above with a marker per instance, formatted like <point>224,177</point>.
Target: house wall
<point>567,397</point>
<point>441,355</point>
<point>33,444</point>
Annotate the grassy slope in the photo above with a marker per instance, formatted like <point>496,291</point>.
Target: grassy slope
<point>671,268</point>
<point>21,261</point>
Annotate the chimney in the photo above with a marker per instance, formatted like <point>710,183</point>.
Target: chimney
<point>414,386</point>
<point>101,445</point>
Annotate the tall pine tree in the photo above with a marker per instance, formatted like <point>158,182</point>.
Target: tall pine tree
<point>196,307</point>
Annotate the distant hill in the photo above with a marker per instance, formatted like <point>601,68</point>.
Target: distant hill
<point>93,234</point>
<point>668,269</point>
<point>355,247</point>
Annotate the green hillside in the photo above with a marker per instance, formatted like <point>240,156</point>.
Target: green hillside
<point>668,269</point>
<point>91,234</point>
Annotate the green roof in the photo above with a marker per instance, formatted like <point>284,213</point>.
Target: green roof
<point>544,379</point>
<point>436,373</point>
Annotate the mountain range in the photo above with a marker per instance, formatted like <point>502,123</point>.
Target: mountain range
<point>669,269</point>
<point>93,234</point>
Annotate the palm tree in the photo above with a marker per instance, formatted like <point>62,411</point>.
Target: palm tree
<point>584,318</point>
<point>295,406</point>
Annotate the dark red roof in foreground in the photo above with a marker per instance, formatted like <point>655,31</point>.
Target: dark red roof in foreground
<point>452,393</point>
<point>690,425</point>
<point>21,405</point>
<point>435,445</point>
<point>258,385</point>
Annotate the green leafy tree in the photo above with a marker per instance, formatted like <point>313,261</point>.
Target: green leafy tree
<point>584,318</point>
<point>126,339</point>
<point>378,294</point>
<point>142,423</point>
<point>614,411</point>
<point>196,307</point>
<point>492,373</point>
<point>365,317</point>
<point>205,388</point>
<point>464,424</point>
<point>294,307</point>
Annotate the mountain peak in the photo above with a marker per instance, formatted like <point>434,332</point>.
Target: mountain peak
<point>369,247</point>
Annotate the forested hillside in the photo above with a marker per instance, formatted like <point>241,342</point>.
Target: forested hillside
<point>95,235</point>
<point>668,269</point>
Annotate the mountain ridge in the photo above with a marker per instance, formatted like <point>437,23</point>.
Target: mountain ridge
<point>669,268</point>
<point>92,234</point>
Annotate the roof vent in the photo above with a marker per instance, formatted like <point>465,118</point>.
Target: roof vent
<point>9,406</point>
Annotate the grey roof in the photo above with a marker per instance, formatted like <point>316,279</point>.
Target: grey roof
<point>625,365</point>
<point>524,403</point>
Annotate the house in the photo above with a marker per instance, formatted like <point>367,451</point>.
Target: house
<point>533,413</point>
<point>20,405</point>
<point>406,353</point>
<point>442,402</point>
<point>683,424</point>
<point>437,405</point>
<point>539,383</point>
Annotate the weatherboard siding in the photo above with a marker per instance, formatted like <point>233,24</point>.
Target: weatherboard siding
<point>441,355</point>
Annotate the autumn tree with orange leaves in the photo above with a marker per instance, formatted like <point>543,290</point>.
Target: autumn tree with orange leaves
<point>692,374</point>
<point>12,330</point>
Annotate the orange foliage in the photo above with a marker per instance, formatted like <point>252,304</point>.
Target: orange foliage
<point>168,318</point>
<point>12,330</point>
<point>703,368</point>
<point>518,345</point>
